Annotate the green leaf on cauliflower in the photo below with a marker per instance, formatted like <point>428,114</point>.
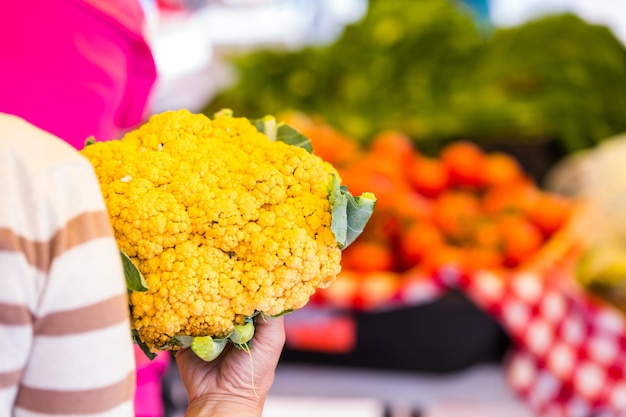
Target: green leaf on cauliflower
<point>241,335</point>
<point>282,132</point>
<point>208,348</point>
<point>182,342</point>
<point>291,136</point>
<point>134,278</point>
<point>339,205</point>
<point>144,348</point>
<point>90,141</point>
<point>350,214</point>
<point>360,210</point>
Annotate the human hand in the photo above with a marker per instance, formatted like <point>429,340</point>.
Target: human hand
<point>237,382</point>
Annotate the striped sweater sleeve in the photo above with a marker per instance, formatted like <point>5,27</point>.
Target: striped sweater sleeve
<point>64,326</point>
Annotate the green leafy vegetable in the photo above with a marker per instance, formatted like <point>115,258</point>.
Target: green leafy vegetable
<point>557,79</point>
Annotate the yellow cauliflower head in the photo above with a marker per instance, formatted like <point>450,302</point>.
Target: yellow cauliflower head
<point>222,221</point>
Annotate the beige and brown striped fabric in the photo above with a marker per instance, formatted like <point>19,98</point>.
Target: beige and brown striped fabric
<point>65,345</point>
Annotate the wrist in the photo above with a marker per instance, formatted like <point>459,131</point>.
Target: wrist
<point>221,406</point>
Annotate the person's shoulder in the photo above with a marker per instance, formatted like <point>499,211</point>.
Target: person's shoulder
<point>24,144</point>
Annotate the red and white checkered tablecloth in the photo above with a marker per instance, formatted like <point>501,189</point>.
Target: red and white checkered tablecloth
<point>569,355</point>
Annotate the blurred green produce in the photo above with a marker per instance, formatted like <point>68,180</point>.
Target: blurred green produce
<point>426,68</point>
<point>602,271</point>
<point>566,77</point>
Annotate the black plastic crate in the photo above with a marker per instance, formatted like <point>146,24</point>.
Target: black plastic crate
<point>445,335</point>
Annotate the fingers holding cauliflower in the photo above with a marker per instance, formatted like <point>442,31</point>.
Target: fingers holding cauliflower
<point>223,221</point>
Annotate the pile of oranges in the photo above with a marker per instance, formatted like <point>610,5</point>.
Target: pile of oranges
<point>466,208</point>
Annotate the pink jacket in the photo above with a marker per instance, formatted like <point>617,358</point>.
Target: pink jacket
<point>76,68</point>
<point>81,68</point>
<point>149,395</point>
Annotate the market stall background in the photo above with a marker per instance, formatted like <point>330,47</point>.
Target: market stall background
<point>541,90</point>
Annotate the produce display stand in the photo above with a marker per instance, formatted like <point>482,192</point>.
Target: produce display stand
<point>567,351</point>
<point>442,335</point>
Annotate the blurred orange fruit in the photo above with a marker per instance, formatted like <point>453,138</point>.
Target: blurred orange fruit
<point>454,212</point>
<point>366,256</point>
<point>483,258</point>
<point>429,176</point>
<point>465,162</point>
<point>410,205</point>
<point>518,197</point>
<point>521,239</point>
<point>443,256</point>
<point>551,212</point>
<point>486,233</point>
<point>376,289</point>
<point>395,146</point>
<point>342,291</point>
<point>328,142</point>
<point>500,169</point>
<point>417,240</point>
<point>366,176</point>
